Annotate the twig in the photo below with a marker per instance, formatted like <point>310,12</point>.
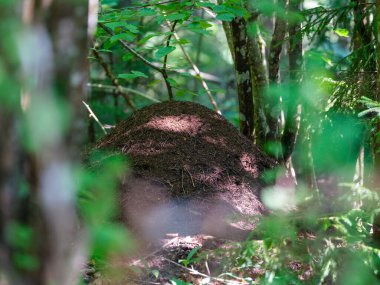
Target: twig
<point>92,114</point>
<point>113,89</point>
<point>197,72</point>
<point>198,54</point>
<point>191,177</point>
<point>143,59</point>
<point>196,272</point>
<point>155,252</point>
<point>164,66</point>
<point>114,80</point>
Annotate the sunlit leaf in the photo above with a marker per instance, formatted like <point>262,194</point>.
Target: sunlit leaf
<point>342,32</point>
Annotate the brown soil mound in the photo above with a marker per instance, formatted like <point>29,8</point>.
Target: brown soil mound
<point>193,163</point>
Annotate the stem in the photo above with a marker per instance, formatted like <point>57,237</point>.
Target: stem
<point>164,66</point>
<point>114,80</point>
<point>197,73</point>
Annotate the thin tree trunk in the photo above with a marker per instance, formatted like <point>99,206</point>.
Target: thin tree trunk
<point>295,76</point>
<point>53,49</point>
<point>240,43</point>
<point>272,102</point>
<point>228,33</point>
<point>259,82</point>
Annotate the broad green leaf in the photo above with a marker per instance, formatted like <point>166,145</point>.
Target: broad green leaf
<point>219,8</point>
<point>123,36</point>
<point>132,75</point>
<point>127,57</point>
<point>161,52</point>
<point>205,24</point>
<point>183,41</point>
<point>114,25</point>
<point>225,17</point>
<point>131,28</point>
<point>146,12</point>
<point>176,17</point>
<point>342,32</point>
<point>206,4</point>
<point>147,38</point>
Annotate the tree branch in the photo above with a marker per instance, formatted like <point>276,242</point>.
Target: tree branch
<point>197,73</point>
<point>164,66</point>
<point>143,59</point>
<point>114,80</point>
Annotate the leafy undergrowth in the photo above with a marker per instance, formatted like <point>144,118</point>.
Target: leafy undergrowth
<point>300,247</point>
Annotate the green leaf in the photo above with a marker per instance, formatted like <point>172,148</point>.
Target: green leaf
<point>191,254</point>
<point>114,25</point>
<point>132,75</point>
<point>172,82</point>
<point>219,8</point>
<point>183,41</point>
<point>161,52</point>
<point>146,12</point>
<point>127,57</point>
<point>206,4</point>
<point>176,17</point>
<point>204,24</point>
<point>155,273</point>
<point>131,28</point>
<point>147,38</point>
<point>179,282</point>
<point>225,17</point>
<point>123,36</point>
<point>342,32</point>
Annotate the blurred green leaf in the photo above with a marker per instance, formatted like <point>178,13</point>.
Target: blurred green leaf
<point>132,75</point>
<point>123,36</point>
<point>162,51</point>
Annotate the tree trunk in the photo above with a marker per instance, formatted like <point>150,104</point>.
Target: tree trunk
<point>243,75</point>
<point>272,102</point>
<point>295,76</point>
<point>38,181</point>
<point>259,81</point>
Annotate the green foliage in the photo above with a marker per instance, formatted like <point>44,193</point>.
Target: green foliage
<point>189,259</point>
<point>321,243</point>
<point>101,183</point>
